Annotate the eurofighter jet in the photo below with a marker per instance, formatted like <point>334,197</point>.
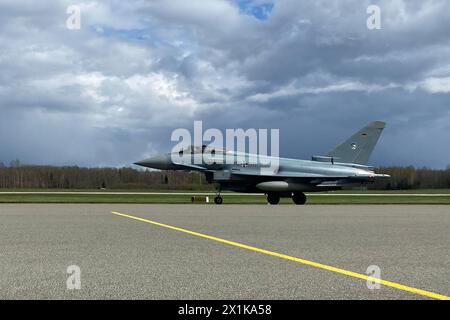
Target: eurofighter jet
<point>344,166</point>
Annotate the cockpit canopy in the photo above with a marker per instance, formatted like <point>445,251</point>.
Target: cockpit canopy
<point>195,149</point>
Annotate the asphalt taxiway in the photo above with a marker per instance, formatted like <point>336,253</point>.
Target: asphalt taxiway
<point>224,252</point>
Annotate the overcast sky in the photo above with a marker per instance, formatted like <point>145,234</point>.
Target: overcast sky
<point>111,93</point>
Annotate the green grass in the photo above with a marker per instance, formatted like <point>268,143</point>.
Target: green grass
<point>37,190</point>
<point>412,191</point>
<point>229,198</point>
<point>86,198</point>
<point>318,199</point>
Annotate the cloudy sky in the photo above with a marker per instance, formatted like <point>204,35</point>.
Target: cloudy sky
<point>111,92</point>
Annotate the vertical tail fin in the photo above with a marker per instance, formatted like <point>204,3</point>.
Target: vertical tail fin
<point>358,148</point>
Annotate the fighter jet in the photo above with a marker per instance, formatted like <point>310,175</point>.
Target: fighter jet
<point>343,166</point>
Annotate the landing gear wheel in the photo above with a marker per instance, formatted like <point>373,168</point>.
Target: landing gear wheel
<point>218,200</point>
<point>273,198</point>
<point>299,198</point>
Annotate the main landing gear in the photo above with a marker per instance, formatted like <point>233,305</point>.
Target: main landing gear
<point>273,197</point>
<point>297,197</point>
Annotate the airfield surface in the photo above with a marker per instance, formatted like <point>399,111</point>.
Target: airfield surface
<point>153,251</point>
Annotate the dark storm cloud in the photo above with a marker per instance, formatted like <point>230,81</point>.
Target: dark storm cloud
<point>112,92</point>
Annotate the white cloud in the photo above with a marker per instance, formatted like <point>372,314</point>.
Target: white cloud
<point>436,85</point>
<point>292,90</point>
<point>137,69</point>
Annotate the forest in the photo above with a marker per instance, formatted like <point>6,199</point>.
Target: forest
<point>17,176</point>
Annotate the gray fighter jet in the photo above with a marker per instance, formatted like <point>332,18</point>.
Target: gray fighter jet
<point>344,166</point>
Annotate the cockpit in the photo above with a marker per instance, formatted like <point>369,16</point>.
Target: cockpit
<point>193,149</point>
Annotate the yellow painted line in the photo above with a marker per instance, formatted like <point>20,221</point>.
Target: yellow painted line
<point>399,286</point>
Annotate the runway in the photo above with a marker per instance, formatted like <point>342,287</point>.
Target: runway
<point>127,258</point>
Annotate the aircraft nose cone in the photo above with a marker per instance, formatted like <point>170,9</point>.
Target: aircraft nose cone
<point>156,162</point>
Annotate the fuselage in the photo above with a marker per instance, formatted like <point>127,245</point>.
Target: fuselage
<point>343,166</point>
<point>246,172</point>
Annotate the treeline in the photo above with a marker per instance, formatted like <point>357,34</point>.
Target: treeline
<point>405,178</point>
<point>48,177</point>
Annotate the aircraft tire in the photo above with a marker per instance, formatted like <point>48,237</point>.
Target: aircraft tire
<point>218,200</point>
<point>273,198</point>
<point>299,198</point>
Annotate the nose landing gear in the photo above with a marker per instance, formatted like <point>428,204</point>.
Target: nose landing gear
<point>218,199</point>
